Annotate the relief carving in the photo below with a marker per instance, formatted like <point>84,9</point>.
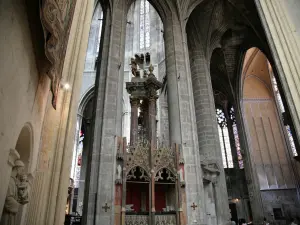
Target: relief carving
<point>164,157</point>
<point>56,17</point>
<point>17,194</point>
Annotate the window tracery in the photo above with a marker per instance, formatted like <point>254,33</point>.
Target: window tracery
<point>224,139</point>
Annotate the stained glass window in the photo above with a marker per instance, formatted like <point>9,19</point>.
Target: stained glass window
<point>99,33</point>
<point>144,25</point>
<point>236,139</point>
<point>224,139</point>
<point>282,109</point>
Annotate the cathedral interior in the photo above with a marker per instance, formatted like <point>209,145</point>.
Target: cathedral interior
<point>150,112</point>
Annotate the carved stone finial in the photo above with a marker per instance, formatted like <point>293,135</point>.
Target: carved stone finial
<point>151,68</point>
<point>133,67</point>
<point>119,175</point>
<point>145,74</point>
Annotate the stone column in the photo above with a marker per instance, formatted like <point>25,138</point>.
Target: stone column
<point>250,171</point>
<point>84,162</point>
<point>181,111</point>
<point>239,174</point>
<point>134,120</point>
<point>145,112</point>
<point>152,121</point>
<point>107,118</point>
<point>208,136</point>
<point>213,203</point>
<point>285,49</point>
<point>65,142</point>
<point>152,189</point>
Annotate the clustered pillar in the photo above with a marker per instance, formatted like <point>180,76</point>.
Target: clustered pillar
<point>135,102</point>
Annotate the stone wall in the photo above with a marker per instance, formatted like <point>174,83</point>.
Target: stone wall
<point>27,102</point>
<point>24,93</point>
<point>286,200</point>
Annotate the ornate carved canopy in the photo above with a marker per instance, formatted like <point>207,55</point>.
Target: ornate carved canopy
<point>164,158</point>
<point>139,156</point>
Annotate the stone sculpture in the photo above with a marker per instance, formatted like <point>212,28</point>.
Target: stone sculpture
<point>23,189</point>
<point>119,175</point>
<point>181,175</point>
<point>17,194</point>
<point>133,67</point>
<point>119,172</point>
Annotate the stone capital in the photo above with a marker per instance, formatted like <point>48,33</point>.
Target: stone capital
<point>13,156</point>
<point>134,101</point>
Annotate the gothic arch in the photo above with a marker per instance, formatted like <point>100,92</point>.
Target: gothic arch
<point>259,83</point>
<point>191,7</point>
<point>86,97</point>
<point>24,147</point>
<point>97,4</point>
<point>219,75</point>
<point>255,65</point>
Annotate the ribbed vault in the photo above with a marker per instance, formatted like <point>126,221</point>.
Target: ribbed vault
<point>225,30</point>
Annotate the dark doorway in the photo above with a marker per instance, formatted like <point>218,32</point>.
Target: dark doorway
<point>232,207</point>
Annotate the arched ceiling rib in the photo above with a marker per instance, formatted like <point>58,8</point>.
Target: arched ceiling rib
<point>256,64</point>
<point>232,25</point>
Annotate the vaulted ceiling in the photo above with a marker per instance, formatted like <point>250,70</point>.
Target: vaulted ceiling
<point>226,29</point>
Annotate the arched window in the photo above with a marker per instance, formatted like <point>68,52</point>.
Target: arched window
<point>236,138</point>
<point>224,139</point>
<point>282,110</point>
<point>100,30</point>
<point>144,25</point>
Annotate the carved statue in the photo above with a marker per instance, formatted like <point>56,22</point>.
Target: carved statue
<point>23,189</point>
<point>181,175</point>
<point>133,67</point>
<point>119,172</point>
<point>17,194</point>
